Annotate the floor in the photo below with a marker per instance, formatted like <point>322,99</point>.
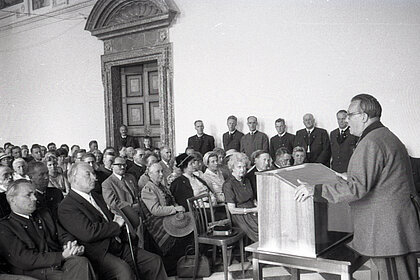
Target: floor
<point>277,273</point>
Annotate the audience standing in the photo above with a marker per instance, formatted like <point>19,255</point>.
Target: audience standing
<point>254,140</point>
<point>201,142</point>
<point>232,138</point>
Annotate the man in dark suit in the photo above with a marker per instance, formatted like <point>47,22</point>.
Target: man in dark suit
<point>6,178</point>
<point>105,170</point>
<point>254,140</point>
<point>126,140</point>
<point>138,168</point>
<point>45,197</point>
<point>166,163</point>
<point>232,138</point>
<point>314,140</point>
<point>85,215</point>
<point>34,245</point>
<point>201,142</point>
<point>342,144</point>
<point>282,139</point>
<point>261,161</point>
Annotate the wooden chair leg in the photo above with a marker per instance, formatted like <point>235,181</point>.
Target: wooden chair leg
<point>241,247</point>
<point>196,256</point>
<point>214,254</point>
<point>225,261</point>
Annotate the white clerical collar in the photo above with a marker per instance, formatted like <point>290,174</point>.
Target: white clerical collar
<point>22,215</point>
<point>82,194</point>
<point>123,137</point>
<point>2,189</point>
<point>281,135</point>
<point>118,176</point>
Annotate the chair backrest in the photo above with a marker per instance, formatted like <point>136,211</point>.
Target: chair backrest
<point>204,217</point>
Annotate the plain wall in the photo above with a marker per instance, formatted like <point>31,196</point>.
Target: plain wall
<point>283,59</point>
<point>265,58</point>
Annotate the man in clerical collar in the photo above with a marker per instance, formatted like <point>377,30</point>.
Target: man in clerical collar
<point>232,138</point>
<point>201,142</point>
<point>6,178</point>
<point>283,139</point>
<point>254,140</point>
<point>342,143</point>
<point>34,245</point>
<point>314,140</point>
<point>46,197</point>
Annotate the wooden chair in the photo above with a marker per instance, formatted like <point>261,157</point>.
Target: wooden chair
<point>203,225</point>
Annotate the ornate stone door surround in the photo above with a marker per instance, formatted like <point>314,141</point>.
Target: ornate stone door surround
<point>134,32</point>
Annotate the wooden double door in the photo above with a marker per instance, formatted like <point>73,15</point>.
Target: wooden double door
<point>140,101</point>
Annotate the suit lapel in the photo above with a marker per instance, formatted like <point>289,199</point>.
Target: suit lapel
<point>92,210</point>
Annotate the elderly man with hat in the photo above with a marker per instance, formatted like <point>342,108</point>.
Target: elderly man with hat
<point>6,160</point>
<point>188,185</point>
<point>165,220</point>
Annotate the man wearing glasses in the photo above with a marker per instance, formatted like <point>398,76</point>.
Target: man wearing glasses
<point>378,188</point>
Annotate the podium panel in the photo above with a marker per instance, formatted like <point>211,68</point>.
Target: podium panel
<point>290,227</point>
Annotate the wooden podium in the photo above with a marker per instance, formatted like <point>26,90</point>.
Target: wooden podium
<point>290,227</point>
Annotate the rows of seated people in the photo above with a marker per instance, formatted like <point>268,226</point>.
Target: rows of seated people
<point>63,207</point>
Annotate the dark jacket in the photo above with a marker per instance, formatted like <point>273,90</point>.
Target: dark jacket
<point>319,145</point>
<point>27,248</point>
<point>136,171</point>
<point>129,141</point>
<point>50,200</point>
<point>341,149</point>
<point>232,142</point>
<point>201,144</point>
<point>181,189</point>
<point>277,142</point>
<point>88,225</point>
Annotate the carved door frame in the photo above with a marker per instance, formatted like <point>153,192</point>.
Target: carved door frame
<point>134,32</point>
<point>113,103</point>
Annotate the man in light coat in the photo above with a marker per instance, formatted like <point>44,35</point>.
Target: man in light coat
<point>378,188</point>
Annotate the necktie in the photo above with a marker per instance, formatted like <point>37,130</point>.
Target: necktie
<point>93,202</point>
<point>309,142</point>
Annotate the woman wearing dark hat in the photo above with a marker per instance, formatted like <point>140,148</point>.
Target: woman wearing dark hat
<point>166,221</point>
<point>188,185</point>
<point>239,196</point>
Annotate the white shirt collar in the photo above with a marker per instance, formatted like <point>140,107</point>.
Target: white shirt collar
<point>22,215</point>
<point>2,189</point>
<point>232,132</point>
<point>344,129</point>
<point>281,135</point>
<point>82,194</point>
<point>118,176</point>
<point>199,136</point>
<point>253,132</point>
<point>310,130</point>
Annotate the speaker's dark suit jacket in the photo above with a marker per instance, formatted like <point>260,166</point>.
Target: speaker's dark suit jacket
<point>201,144</point>
<point>27,248</point>
<point>341,149</point>
<point>319,143</point>
<point>232,141</point>
<point>87,224</point>
<point>277,142</point>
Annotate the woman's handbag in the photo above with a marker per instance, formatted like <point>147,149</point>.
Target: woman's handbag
<point>185,265</point>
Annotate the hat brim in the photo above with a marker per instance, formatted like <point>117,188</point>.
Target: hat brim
<point>168,222</point>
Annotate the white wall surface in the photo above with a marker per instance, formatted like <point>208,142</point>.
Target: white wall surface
<point>50,83</point>
<point>286,58</point>
<point>266,58</point>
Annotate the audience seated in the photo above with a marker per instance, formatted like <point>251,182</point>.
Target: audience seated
<point>84,214</point>
<point>282,158</point>
<point>166,163</point>
<point>157,203</point>
<point>56,177</point>
<point>188,185</point>
<point>21,169</point>
<point>213,176</point>
<point>148,159</point>
<point>299,155</point>
<point>6,160</point>
<point>16,152</point>
<point>261,161</point>
<point>33,243</point>
<point>138,168</point>
<point>240,198</point>
<point>6,178</point>
<point>105,170</point>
